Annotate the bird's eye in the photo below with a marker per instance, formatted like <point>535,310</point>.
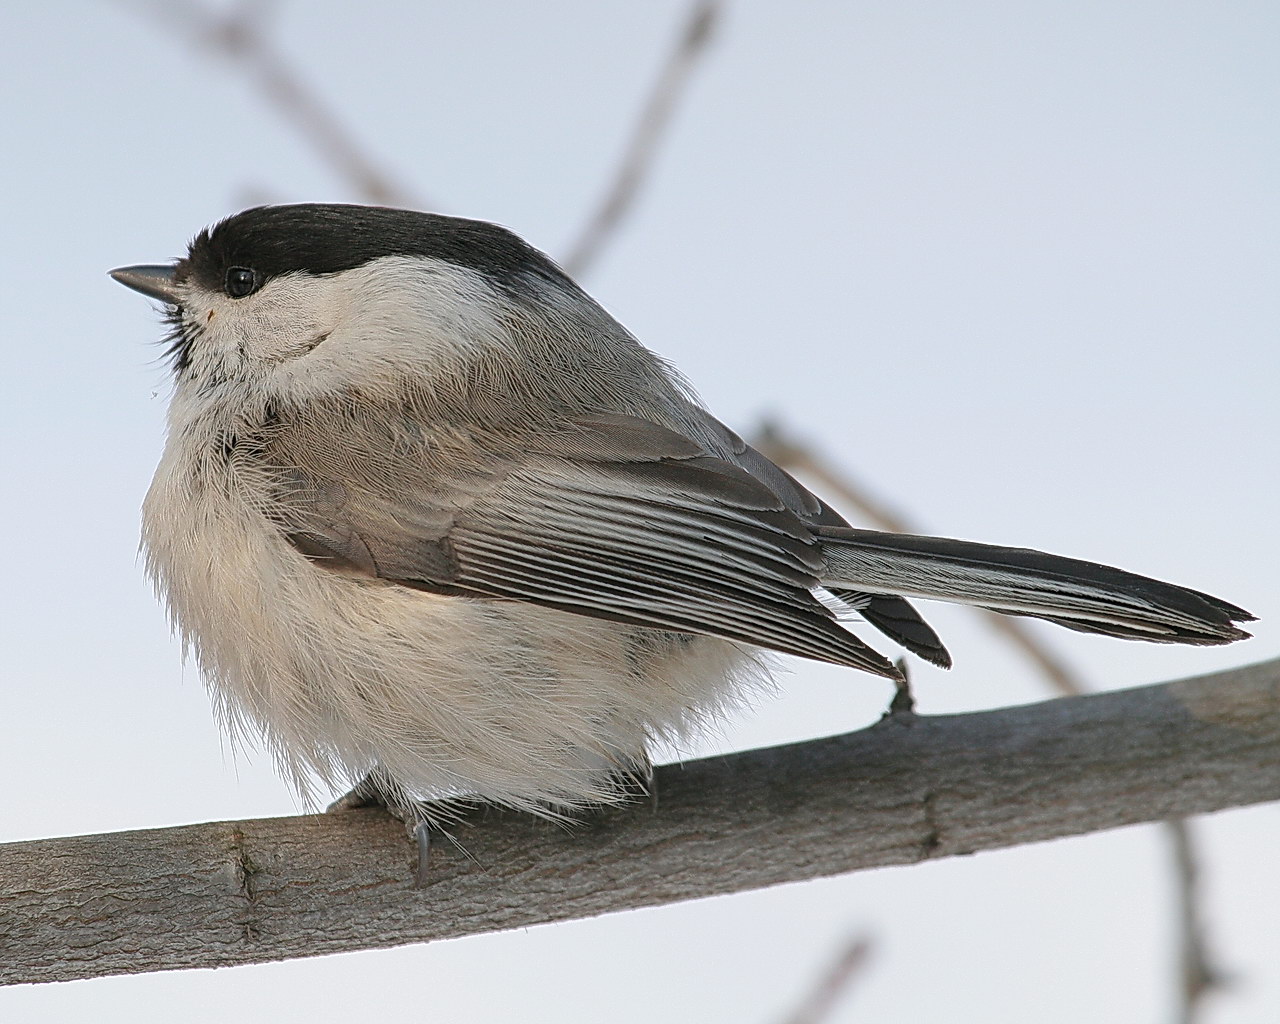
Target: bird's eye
<point>241,281</point>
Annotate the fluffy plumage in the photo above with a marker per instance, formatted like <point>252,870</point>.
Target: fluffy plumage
<point>427,511</point>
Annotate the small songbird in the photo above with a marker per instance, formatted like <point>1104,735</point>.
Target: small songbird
<point>435,525</point>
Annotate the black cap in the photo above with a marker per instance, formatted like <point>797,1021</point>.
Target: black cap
<point>325,238</point>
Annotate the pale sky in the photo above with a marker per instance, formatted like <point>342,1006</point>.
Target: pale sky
<point>1013,265</point>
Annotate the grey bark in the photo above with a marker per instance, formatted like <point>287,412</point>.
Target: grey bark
<point>908,789</point>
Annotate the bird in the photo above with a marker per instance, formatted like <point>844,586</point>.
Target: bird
<point>437,528</point>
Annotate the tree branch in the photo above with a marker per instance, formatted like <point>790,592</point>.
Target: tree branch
<point>646,136</point>
<point>848,965</point>
<point>1198,975</point>
<point>240,36</point>
<point>907,789</point>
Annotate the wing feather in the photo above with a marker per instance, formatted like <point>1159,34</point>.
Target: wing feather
<point>615,517</point>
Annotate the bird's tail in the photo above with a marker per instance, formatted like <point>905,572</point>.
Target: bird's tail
<point>1018,581</point>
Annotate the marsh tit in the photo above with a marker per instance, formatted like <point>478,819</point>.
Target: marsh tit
<point>435,525</point>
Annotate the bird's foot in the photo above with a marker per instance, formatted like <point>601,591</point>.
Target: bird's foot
<point>375,791</point>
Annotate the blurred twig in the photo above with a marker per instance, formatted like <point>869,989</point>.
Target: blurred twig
<point>646,136</point>
<point>833,984</point>
<point>1198,976</point>
<point>240,36</point>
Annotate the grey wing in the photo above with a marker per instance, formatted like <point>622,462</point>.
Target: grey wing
<point>614,517</point>
<point>895,617</point>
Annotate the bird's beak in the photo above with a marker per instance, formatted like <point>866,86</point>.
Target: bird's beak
<point>155,282</point>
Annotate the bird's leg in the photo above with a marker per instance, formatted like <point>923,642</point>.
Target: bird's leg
<point>366,793</point>
<point>637,779</point>
<point>374,791</point>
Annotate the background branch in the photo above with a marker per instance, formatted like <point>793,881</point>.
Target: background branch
<point>240,36</point>
<point>847,966</point>
<point>646,136</point>
<point>908,789</point>
<point>1198,973</point>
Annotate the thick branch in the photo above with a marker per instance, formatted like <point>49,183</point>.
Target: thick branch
<point>907,789</point>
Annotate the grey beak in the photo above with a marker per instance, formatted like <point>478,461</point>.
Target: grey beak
<point>155,282</point>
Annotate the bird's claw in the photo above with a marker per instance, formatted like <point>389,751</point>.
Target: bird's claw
<point>370,792</point>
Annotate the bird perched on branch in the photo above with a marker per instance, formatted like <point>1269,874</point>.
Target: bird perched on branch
<point>436,525</point>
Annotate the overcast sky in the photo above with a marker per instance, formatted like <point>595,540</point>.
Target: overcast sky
<point>1013,265</point>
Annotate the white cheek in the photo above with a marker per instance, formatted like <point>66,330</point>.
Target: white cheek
<point>286,319</point>
<point>303,336</point>
<point>399,316</point>
<point>245,338</point>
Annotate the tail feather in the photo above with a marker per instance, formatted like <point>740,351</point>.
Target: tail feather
<point>901,623</point>
<point>1080,595</point>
